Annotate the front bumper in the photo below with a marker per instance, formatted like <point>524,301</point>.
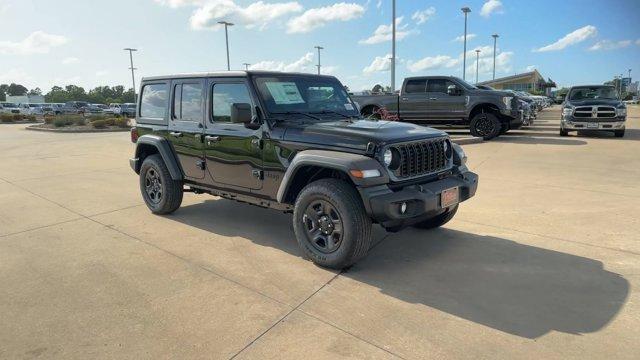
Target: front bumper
<point>569,124</point>
<point>514,117</point>
<point>423,200</point>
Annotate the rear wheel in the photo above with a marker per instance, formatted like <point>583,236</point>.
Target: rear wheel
<point>438,220</point>
<point>619,133</point>
<point>160,192</point>
<point>486,126</point>
<point>330,223</point>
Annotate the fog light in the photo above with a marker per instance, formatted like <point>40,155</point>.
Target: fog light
<point>403,208</point>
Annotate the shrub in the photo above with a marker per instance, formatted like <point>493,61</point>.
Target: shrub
<point>110,121</point>
<point>99,124</point>
<point>95,117</point>
<point>17,117</point>
<point>122,122</point>
<point>31,118</point>
<point>48,119</point>
<point>6,118</point>
<point>60,122</point>
<point>80,121</point>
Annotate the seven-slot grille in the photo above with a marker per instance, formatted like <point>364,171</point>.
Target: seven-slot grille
<point>421,158</point>
<point>592,112</point>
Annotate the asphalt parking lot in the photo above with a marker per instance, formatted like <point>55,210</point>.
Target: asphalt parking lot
<point>542,263</point>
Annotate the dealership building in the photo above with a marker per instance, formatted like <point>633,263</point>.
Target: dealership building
<point>531,82</point>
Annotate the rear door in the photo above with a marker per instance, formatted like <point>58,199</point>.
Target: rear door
<point>413,100</point>
<point>186,127</point>
<point>445,107</point>
<point>233,152</point>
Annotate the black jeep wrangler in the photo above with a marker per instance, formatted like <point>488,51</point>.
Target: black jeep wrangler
<point>295,143</point>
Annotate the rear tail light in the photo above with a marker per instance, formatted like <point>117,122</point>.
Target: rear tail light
<point>134,135</point>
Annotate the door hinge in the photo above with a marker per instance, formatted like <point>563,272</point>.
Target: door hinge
<point>257,174</point>
<point>201,164</point>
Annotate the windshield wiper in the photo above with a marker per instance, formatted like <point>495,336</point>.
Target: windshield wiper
<point>297,113</point>
<point>335,112</point>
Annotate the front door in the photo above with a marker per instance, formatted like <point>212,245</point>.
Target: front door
<point>445,107</point>
<point>233,152</point>
<point>413,100</point>
<point>186,126</point>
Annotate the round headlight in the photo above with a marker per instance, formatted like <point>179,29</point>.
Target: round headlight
<point>388,157</point>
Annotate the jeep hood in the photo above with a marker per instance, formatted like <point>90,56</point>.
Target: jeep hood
<point>358,133</point>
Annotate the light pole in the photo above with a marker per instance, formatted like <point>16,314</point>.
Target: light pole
<point>133,78</point>
<point>477,63</point>
<point>466,11</point>
<point>495,40</point>
<point>226,36</point>
<point>393,47</point>
<point>246,66</point>
<point>318,66</point>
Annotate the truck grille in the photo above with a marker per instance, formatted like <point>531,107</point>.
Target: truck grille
<point>594,112</point>
<point>421,158</point>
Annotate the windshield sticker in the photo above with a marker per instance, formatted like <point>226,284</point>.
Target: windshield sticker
<point>285,93</point>
<point>348,106</point>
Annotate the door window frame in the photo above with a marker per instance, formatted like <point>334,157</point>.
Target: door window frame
<point>176,122</point>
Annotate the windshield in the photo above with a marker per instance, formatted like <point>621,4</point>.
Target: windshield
<point>9,105</point>
<point>466,84</point>
<point>603,92</point>
<point>305,94</point>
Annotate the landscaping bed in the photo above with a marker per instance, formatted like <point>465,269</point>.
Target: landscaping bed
<point>17,119</point>
<point>81,123</point>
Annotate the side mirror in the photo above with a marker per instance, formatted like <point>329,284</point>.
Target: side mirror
<point>453,90</point>
<point>241,113</point>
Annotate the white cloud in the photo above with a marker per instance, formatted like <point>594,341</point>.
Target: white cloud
<point>18,76</point>
<point>100,73</point>
<point>384,33</point>
<point>572,38</point>
<point>379,4</point>
<point>38,42</point>
<point>421,16</point>
<point>530,68</point>
<point>319,17</point>
<point>609,45</point>
<point>490,7</point>
<point>70,60</point>
<point>303,64</point>
<point>379,64</point>
<point>638,42</point>
<point>461,37</point>
<point>257,14</point>
<point>432,63</point>
<point>485,64</point>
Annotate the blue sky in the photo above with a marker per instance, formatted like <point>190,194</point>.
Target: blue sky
<point>46,43</point>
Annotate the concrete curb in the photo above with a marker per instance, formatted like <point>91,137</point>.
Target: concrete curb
<point>468,141</point>
<point>75,131</point>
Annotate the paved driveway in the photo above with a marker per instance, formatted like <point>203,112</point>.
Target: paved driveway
<point>542,263</point>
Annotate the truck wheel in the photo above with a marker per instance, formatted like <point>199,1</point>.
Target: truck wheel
<point>330,223</point>
<point>618,133</point>
<point>563,132</point>
<point>485,125</point>
<point>160,192</point>
<point>438,220</point>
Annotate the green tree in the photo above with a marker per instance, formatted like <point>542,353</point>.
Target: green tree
<point>3,92</point>
<point>35,91</point>
<point>16,90</point>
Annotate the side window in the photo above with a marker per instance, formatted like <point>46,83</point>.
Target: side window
<point>438,85</point>
<point>191,102</point>
<point>154,101</point>
<point>224,95</point>
<point>415,86</point>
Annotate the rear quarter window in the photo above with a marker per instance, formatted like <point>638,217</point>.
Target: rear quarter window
<point>154,101</point>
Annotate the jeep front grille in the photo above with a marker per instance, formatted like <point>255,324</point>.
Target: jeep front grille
<point>421,158</point>
<point>594,112</point>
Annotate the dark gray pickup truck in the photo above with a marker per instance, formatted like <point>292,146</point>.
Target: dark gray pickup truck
<point>447,100</point>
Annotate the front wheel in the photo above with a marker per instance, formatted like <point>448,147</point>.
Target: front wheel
<point>438,220</point>
<point>563,132</point>
<point>330,223</point>
<point>618,133</point>
<point>160,192</point>
<point>486,126</point>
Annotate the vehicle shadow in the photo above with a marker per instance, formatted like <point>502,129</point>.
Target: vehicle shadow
<point>518,289</point>
<point>537,139</point>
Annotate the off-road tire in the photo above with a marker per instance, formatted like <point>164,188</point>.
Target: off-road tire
<point>618,133</point>
<point>356,225</point>
<point>170,190</point>
<point>438,220</point>
<point>485,125</point>
<point>563,132</point>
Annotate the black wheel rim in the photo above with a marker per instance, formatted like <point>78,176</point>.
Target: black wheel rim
<point>323,226</point>
<point>484,126</point>
<point>153,186</point>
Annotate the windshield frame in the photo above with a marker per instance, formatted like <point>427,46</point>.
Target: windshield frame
<point>322,81</point>
<point>571,93</point>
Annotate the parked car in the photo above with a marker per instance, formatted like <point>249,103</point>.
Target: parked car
<point>75,107</point>
<point>593,107</point>
<point>128,110</point>
<point>35,109</point>
<point>525,108</point>
<point>105,109</point>
<point>447,100</point>
<point>115,108</point>
<point>9,108</point>
<point>24,108</point>
<point>295,143</point>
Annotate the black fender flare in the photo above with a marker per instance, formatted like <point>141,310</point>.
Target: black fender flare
<point>335,160</point>
<point>166,152</point>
